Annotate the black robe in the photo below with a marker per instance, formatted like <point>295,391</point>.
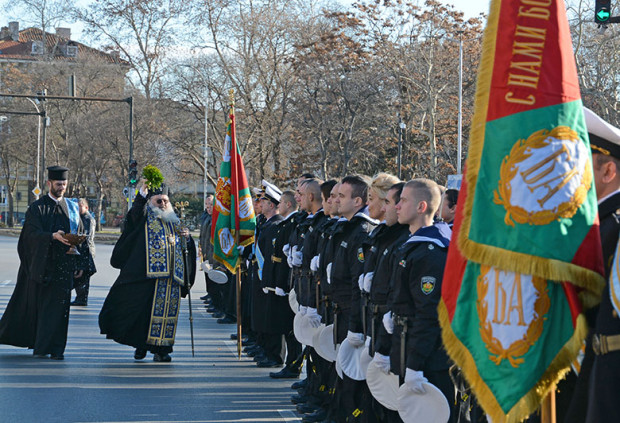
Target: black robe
<point>126,313</point>
<point>37,315</point>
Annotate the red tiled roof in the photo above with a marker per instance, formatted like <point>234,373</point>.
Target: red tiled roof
<point>22,50</point>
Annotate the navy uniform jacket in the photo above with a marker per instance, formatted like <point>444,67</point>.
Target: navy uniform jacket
<point>347,266</point>
<point>325,250</point>
<point>378,250</point>
<point>311,239</point>
<point>417,275</point>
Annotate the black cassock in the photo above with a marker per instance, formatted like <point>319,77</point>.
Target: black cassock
<point>37,315</point>
<point>126,313</point>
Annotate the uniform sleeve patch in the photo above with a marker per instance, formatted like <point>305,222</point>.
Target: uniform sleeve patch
<point>360,255</point>
<point>402,263</point>
<point>428,284</point>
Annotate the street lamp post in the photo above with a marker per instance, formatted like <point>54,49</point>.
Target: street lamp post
<point>37,173</point>
<point>460,123</point>
<point>205,181</point>
<point>460,111</point>
<point>401,127</point>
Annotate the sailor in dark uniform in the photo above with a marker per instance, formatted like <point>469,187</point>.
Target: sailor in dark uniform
<point>572,397</point>
<point>604,383</point>
<point>411,336</point>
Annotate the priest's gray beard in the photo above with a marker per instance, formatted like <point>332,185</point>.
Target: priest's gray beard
<point>167,215</point>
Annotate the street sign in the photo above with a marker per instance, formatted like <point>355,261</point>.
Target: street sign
<point>454,182</point>
<point>36,191</point>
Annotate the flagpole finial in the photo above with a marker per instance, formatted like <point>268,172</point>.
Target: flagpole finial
<point>231,96</point>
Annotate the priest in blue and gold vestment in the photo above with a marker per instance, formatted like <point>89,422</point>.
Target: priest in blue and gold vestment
<point>142,307</point>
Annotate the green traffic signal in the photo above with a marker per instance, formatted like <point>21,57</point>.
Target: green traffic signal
<point>602,15</point>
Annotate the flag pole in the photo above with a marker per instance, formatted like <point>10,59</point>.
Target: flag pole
<point>547,409</point>
<point>231,94</point>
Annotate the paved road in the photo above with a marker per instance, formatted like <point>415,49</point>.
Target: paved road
<point>100,382</point>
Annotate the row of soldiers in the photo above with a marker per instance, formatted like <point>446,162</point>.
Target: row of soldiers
<point>357,265</point>
<point>353,271</point>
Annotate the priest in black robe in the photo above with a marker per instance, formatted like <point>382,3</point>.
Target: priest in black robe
<point>37,315</point>
<point>142,307</point>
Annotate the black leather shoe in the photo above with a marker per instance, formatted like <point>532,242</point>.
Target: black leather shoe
<point>205,297</point>
<point>162,358</point>
<point>226,320</point>
<point>78,303</point>
<point>300,384</point>
<point>260,357</point>
<point>285,373</point>
<point>318,416</point>
<point>40,355</point>
<point>57,357</point>
<point>268,363</point>
<point>299,399</point>
<point>139,354</point>
<point>253,352</point>
<point>247,343</point>
<point>305,408</point>
<point>218,315</point>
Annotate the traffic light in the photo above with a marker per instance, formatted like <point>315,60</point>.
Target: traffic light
<point>602,11</point>
<point>133,173</point>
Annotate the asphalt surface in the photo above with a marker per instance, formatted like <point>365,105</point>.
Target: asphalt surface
<point>99,381</point>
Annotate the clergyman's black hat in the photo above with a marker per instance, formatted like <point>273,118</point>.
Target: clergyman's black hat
<point>57,173</point>
<point>162,190</point>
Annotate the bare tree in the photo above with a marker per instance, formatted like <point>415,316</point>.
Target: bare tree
<point>143,31</point>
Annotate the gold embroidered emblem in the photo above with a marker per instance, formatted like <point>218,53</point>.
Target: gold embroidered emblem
<point>222,195</point>
<point>544,178</point>
<point>519,334</point>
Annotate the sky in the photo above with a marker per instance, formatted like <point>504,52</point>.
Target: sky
<point>471,8</point>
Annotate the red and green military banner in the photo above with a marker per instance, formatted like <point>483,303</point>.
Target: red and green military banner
<point>233,214</point>
<point>526,257</point>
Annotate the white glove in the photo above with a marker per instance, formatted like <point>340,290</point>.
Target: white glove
<point>413,381</point>
<point>355,339</point>
<point>368,281</point>
<point>303,310</point>
<point>265,290</point>
<point>382,362</point>
<point>328,270</point>
<point>313,317</point>
<point>240,248</point>
<point>144,191</point>
<point>388,322</point>
<point>286,250</point>
<point>314,263</point>
<point>360,282</point>
<point>298,257</point>
<point>289,260</point>
<point>280,292</point>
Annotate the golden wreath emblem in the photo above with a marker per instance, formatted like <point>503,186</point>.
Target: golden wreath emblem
<point>544,178</point>
<point>528,317</point>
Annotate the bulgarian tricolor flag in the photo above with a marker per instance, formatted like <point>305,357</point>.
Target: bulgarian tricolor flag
<point>233,214</point>
<point>527,257</point>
